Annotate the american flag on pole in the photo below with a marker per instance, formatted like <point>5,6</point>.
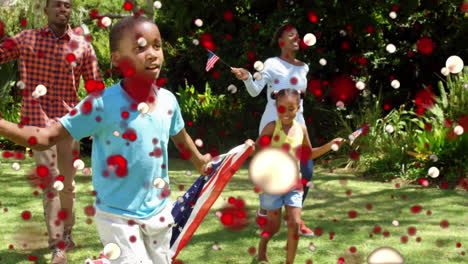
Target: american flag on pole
<point>212,59</point>
<point>357,133</point>
<point>190,209</point>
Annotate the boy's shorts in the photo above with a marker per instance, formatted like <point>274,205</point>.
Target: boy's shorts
<point>273,202</point>
<point>144,241</point>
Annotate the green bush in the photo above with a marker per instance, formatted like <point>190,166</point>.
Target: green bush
<point>219,120</point>
<point>419,140</point>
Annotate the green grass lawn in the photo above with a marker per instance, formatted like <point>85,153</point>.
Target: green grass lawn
<point>327,207</point>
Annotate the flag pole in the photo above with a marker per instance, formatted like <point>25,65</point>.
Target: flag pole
<point>221,60</point>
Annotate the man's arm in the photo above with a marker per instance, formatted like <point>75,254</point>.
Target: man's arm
<point>185,144</point>
<point>33,137</point>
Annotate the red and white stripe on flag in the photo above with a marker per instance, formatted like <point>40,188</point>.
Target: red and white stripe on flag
<point>212,59</point>
<point>208,195</point>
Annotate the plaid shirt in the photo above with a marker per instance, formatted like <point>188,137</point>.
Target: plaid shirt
<point>48,60</point>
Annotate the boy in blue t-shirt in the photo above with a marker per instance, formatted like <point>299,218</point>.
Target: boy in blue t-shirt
<point>131,123</point>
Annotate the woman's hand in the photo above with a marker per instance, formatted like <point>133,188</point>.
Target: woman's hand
<point>240,73</point>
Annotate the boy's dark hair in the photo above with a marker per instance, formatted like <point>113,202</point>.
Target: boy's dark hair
<point>121,27</point>
<point>289,91</point>
<point>279,32</point>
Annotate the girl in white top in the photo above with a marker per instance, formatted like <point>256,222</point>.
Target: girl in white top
<point>280,73</point>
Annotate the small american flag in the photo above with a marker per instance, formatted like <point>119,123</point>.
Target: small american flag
<point>190,209</point>
<point>212,59</point>
<point>354,135</point>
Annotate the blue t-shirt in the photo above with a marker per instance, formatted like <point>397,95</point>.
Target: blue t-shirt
<point>129,149</point>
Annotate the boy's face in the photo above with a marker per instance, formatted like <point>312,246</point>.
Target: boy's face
<point>141,49</point>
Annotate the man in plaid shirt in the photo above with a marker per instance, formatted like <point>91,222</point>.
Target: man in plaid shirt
<point>54,57</point>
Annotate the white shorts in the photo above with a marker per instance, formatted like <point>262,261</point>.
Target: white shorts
<point>145,241</point>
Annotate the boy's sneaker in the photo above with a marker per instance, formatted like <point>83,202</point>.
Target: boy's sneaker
<point>58,256</point>
<point>101,260</point>
<point>305,231</point>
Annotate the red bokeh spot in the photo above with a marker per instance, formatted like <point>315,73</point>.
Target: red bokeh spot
<point>2,29</point>
<point>352,249</point>
<point>87,106</point>
<point>206,40</point>
<point>234,216</point>
<point>32,141</point>
<point>318,231</point>
<point>62,214</point>
<point>126,67</point>
<point>404,239</point>
<point>352,214</point>
<point>425,45</point>
<point>251,55</point>
<point>265,141</point>
<point>293,80</point>
<point>24,22</point>
<point>90,210</point>
<point>94,13</point>
<point>228,16</point>
<point>90,86</point>
<point>9,44</point>
<point>42,171</point>
<point>71,57</point>
<point>216,74</point>
<point>424,98</point>
<point>345,45</point>
<point>411,230</point>
<point>464,6</point>
<point>132,239</point>
<point>125,114</point>
<point>377,229</point>
<point>354,155</point>
<point>160,82</point>
<point>444,224</point>
<point>303,153</point>
<point>130,134</point>
<point>312,16</point>
<point>128,6</point>
<point>281,109</point>
<point>121,164</point>
<point>343,88</point>
<point>416,209</point>
<point>26,215</point>
<point>61,244</point>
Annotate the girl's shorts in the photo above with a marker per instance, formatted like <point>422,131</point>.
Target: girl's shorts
<point>273,202</point>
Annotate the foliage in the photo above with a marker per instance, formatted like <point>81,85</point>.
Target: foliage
<point>219,120</point>
<point>419,141</point>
